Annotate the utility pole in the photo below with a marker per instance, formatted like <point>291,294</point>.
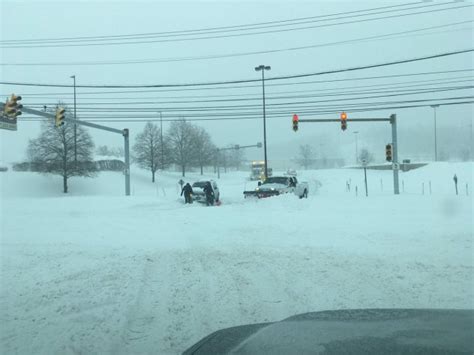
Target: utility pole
<point>75,126</point>
<point>435,133</point>
<point>262,68</point>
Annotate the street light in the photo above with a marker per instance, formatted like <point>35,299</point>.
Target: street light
<point>262,68</point>
<point>75,126</point>
<point>357,148</point>
<point>435,136</point>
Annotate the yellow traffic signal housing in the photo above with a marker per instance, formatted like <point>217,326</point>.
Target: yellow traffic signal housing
<point>60,115</point>
<point>343,121</point>
<point>388,152</point>
<point>12,107</point>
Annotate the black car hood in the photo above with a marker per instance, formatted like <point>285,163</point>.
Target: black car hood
<point>365,331</point>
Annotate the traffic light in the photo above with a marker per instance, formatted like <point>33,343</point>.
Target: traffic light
<point>343,121</point>
<point>60,113</point>
<point>12,107</point>
<point>295,122</point>
<point>388,152</point>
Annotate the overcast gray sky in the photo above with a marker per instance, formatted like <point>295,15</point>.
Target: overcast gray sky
<point>26,20</point>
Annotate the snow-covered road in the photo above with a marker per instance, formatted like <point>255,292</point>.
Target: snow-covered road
<point>147,274</point>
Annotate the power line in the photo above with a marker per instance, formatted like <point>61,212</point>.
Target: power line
<point>241,54</point>
<point>45,45</point>
<point>399,91</point>
<point>254,86</point>
<point>257,115</point>
<point>412,60</point>
<point>398,85</point>
<point>243,109</point>
<point>201,29</point>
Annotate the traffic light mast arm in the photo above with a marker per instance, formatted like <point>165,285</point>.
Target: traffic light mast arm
<point>348,120</point>
<point>240,147</point>
<point>79,122</point>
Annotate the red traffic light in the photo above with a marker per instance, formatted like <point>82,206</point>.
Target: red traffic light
<point>343,116</point>
<point>295,122</point>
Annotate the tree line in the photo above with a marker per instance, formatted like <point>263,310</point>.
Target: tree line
<point>68,150</point>
<point>185,145</point>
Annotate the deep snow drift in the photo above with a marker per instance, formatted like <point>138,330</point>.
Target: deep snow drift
<point>98,272</point>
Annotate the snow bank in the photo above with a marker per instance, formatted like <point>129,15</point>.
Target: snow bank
<point>98,272</point>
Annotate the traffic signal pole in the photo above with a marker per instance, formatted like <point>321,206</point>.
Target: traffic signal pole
<point>392,120</point>
<point>126,142</point>
<point>395,165</point>
<point>124,132</point>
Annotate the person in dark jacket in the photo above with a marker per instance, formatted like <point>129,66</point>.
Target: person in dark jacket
<point>187,191</point>
<point>209,194</point>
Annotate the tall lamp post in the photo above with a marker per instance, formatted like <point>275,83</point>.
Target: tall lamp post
<point>262,68</point>
<point>357,147</point>
<point>75,126</point>
<point>435,135</point>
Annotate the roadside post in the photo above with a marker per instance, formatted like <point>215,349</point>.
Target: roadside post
<point>364,163</point>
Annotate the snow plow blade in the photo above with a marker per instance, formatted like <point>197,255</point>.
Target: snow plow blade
<point>260,194</point>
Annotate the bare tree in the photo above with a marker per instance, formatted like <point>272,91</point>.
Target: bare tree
<point>181,137</point>
<point>306,154</point>
<point>147,149</point>
<point>103,150</point>
<point>204,149</point>
<point>53,152</point>
<point>366,155</point>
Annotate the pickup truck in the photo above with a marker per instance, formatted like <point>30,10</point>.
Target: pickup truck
<point>277,185</point>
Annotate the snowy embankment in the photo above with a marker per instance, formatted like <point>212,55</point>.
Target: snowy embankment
<point>98,272</point>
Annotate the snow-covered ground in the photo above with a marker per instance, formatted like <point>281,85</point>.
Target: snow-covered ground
<point>98,272</point>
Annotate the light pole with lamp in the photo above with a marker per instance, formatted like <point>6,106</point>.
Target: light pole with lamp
<point>262,68</point>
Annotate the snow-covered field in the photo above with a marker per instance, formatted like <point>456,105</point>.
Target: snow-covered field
<point>98,272</point>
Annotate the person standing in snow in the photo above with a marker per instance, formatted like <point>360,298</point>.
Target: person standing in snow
<point>187,191</point>
<point>209,194</point>
<point>455,178</point>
